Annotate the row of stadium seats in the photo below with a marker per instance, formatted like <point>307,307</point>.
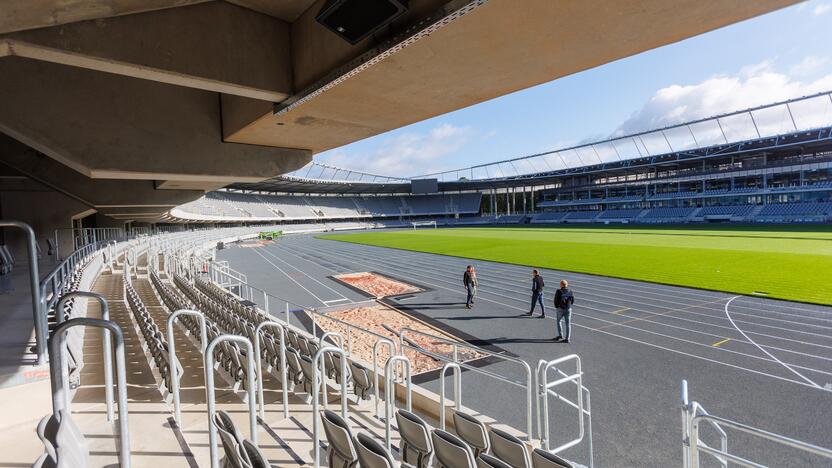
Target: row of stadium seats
<point>793,209</point>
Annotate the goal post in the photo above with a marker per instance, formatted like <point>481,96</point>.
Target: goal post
<point>423,224</point>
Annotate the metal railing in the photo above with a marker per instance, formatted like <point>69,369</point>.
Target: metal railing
<point>81,237</point>
<point>60,385</point>
<point>528,385</point>
<point>38,310</point>
<point>174,366</point>
<point>545,388</point>
<point>390,394</point>
<point>208,364</point>
<point>283,378</point>
<point>317,383</point>
<point>457,390</point>
<point>693,415</point>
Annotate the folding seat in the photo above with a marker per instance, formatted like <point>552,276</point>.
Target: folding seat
<point>489,461</point>
<point>231,442</point>
<point>294,371</point>
<point>256,458</point>
<point>336,367</point>
<point>293,338</point>
<point>371,454</point>
<point>340,451</point>
<point>451,451</point>
<point>416,446</point>
<point>361,381</point>
<point>303,345</point>
<point>509,449</point>
<point>472,432</point>
<point>306,368</point>
<point>544,459</point>
<point>313,348</point>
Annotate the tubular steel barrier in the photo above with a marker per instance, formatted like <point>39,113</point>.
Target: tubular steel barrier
<point>107,345</point>
<point>323,366</point>
<point>390,394</point>
<point>208,362</point>
<point>693,415</point>
<point>258,354</point>
<point>60,386</point>
<point>316,387</point>
<point>457,390</point>
<point>545,389</point>
<point>174,366</point>
<point>38,309</point>
<point>456,345</point>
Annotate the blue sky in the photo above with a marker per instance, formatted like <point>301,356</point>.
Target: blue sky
<point>769,58</point>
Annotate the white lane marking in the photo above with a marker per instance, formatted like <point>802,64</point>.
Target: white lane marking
<point>787,366</point>
<point>370,263</point>
<point>342,297</point>
<point>290,278</point>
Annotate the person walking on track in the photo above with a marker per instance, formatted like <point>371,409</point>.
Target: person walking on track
<point>563,303</point>
<point>469,280</point>
<point>537,293</point>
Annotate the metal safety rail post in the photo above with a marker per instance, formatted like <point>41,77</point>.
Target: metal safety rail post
<point>203,330</point>
<point>60,386</point>
<point>689,410</point>
<point>582,405</point>
<point>208,362</point>
<point>528,385</point>
<point>105,338</point>
<point>390,393</point>
<point>283,377</point>
<point>323,363</point>
<point>38,312</point>
<point>317,383</point>
<point>696,415</point>
<point>52,285</point>
<point>457,390</point>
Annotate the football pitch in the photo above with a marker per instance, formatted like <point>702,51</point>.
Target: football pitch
<point>783,262</point>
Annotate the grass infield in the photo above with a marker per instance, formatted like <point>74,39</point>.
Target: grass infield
<point>784,262</point>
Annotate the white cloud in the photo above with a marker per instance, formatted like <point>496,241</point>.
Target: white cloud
<point>753,86</point>
<point>406,154</point>
<point>808,66</point>
<point>822,9</point>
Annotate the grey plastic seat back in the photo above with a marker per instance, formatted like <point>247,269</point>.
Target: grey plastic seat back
<point>451,451</point>
<point>371,454</point>
<point>416,446</point>
<point>293,363</point>
<point>44,461</point>
<point>362,384</point>
<point>341,451</point>
<point>255,456</point>
<point>472,432</point>
<point>231,442</point>
<point>509,449</point>
<point>489,461</point>
<point>306,368</point>
<point>544,459</point>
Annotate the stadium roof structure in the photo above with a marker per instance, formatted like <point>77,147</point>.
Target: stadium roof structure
<point>798,121</point>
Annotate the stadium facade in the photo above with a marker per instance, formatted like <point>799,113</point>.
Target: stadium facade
<point>768,164</point>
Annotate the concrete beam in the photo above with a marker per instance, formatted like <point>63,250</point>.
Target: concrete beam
<point>246,53</point>
<point>108,126</point>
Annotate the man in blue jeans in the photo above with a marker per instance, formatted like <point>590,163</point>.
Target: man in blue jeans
<point>537,294</point>
<point>563,303</point>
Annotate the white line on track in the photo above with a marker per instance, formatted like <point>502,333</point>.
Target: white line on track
<point>787,366</point>
<point>341,296</point>
<point>290,278</point>
<point>370,263</point>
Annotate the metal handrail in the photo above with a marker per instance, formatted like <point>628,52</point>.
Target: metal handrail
<point>323,364</point>
<point>208,361</point>
<point>390,394</point>
<point>107,345</point>
<point>283,378</point>
<point>38,311</point>
<point>544,389</point>
<point>317,382</point>
<point>457,390</point>
<point>456,344</point>
<point>689,410</point>
<point>391,351</point>
<point>174,381</point>
<point>59,386</point>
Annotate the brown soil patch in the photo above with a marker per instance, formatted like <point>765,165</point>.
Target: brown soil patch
<point>377,285</point>
<point>373,318</point>
<point>257,243</point>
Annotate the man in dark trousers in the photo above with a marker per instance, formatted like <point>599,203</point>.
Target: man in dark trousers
<point>563,303</point>
<point>469,281</point>
<point>537,293</point>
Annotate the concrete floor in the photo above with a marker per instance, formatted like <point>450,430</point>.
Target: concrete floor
<point>761,362</point>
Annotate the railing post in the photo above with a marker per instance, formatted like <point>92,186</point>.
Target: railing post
<point>177,412</point>
<point>390,394</point>
<point>283,375</point>
<point>316,361</point>
<point>457,390</point>
<point>38,311</point>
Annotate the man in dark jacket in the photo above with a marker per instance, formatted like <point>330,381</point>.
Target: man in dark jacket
<point>563,303</point>
<point>469,282</point>
<point>537,293</point>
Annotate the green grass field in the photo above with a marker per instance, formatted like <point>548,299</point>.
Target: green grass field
<point>786,262</point>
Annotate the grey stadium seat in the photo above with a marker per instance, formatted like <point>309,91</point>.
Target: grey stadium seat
<point>255,456</point>
<point>231,442</point>
<point>472,432</point>
<point>371,454</point>
<point>509,449</point>
<point>362,383</point>
<point>544,459</point>
<point>489,461</point>
<point>306,368</point>
<point>416,446</point>
<point>451,451</point>
<point>340,451</point>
